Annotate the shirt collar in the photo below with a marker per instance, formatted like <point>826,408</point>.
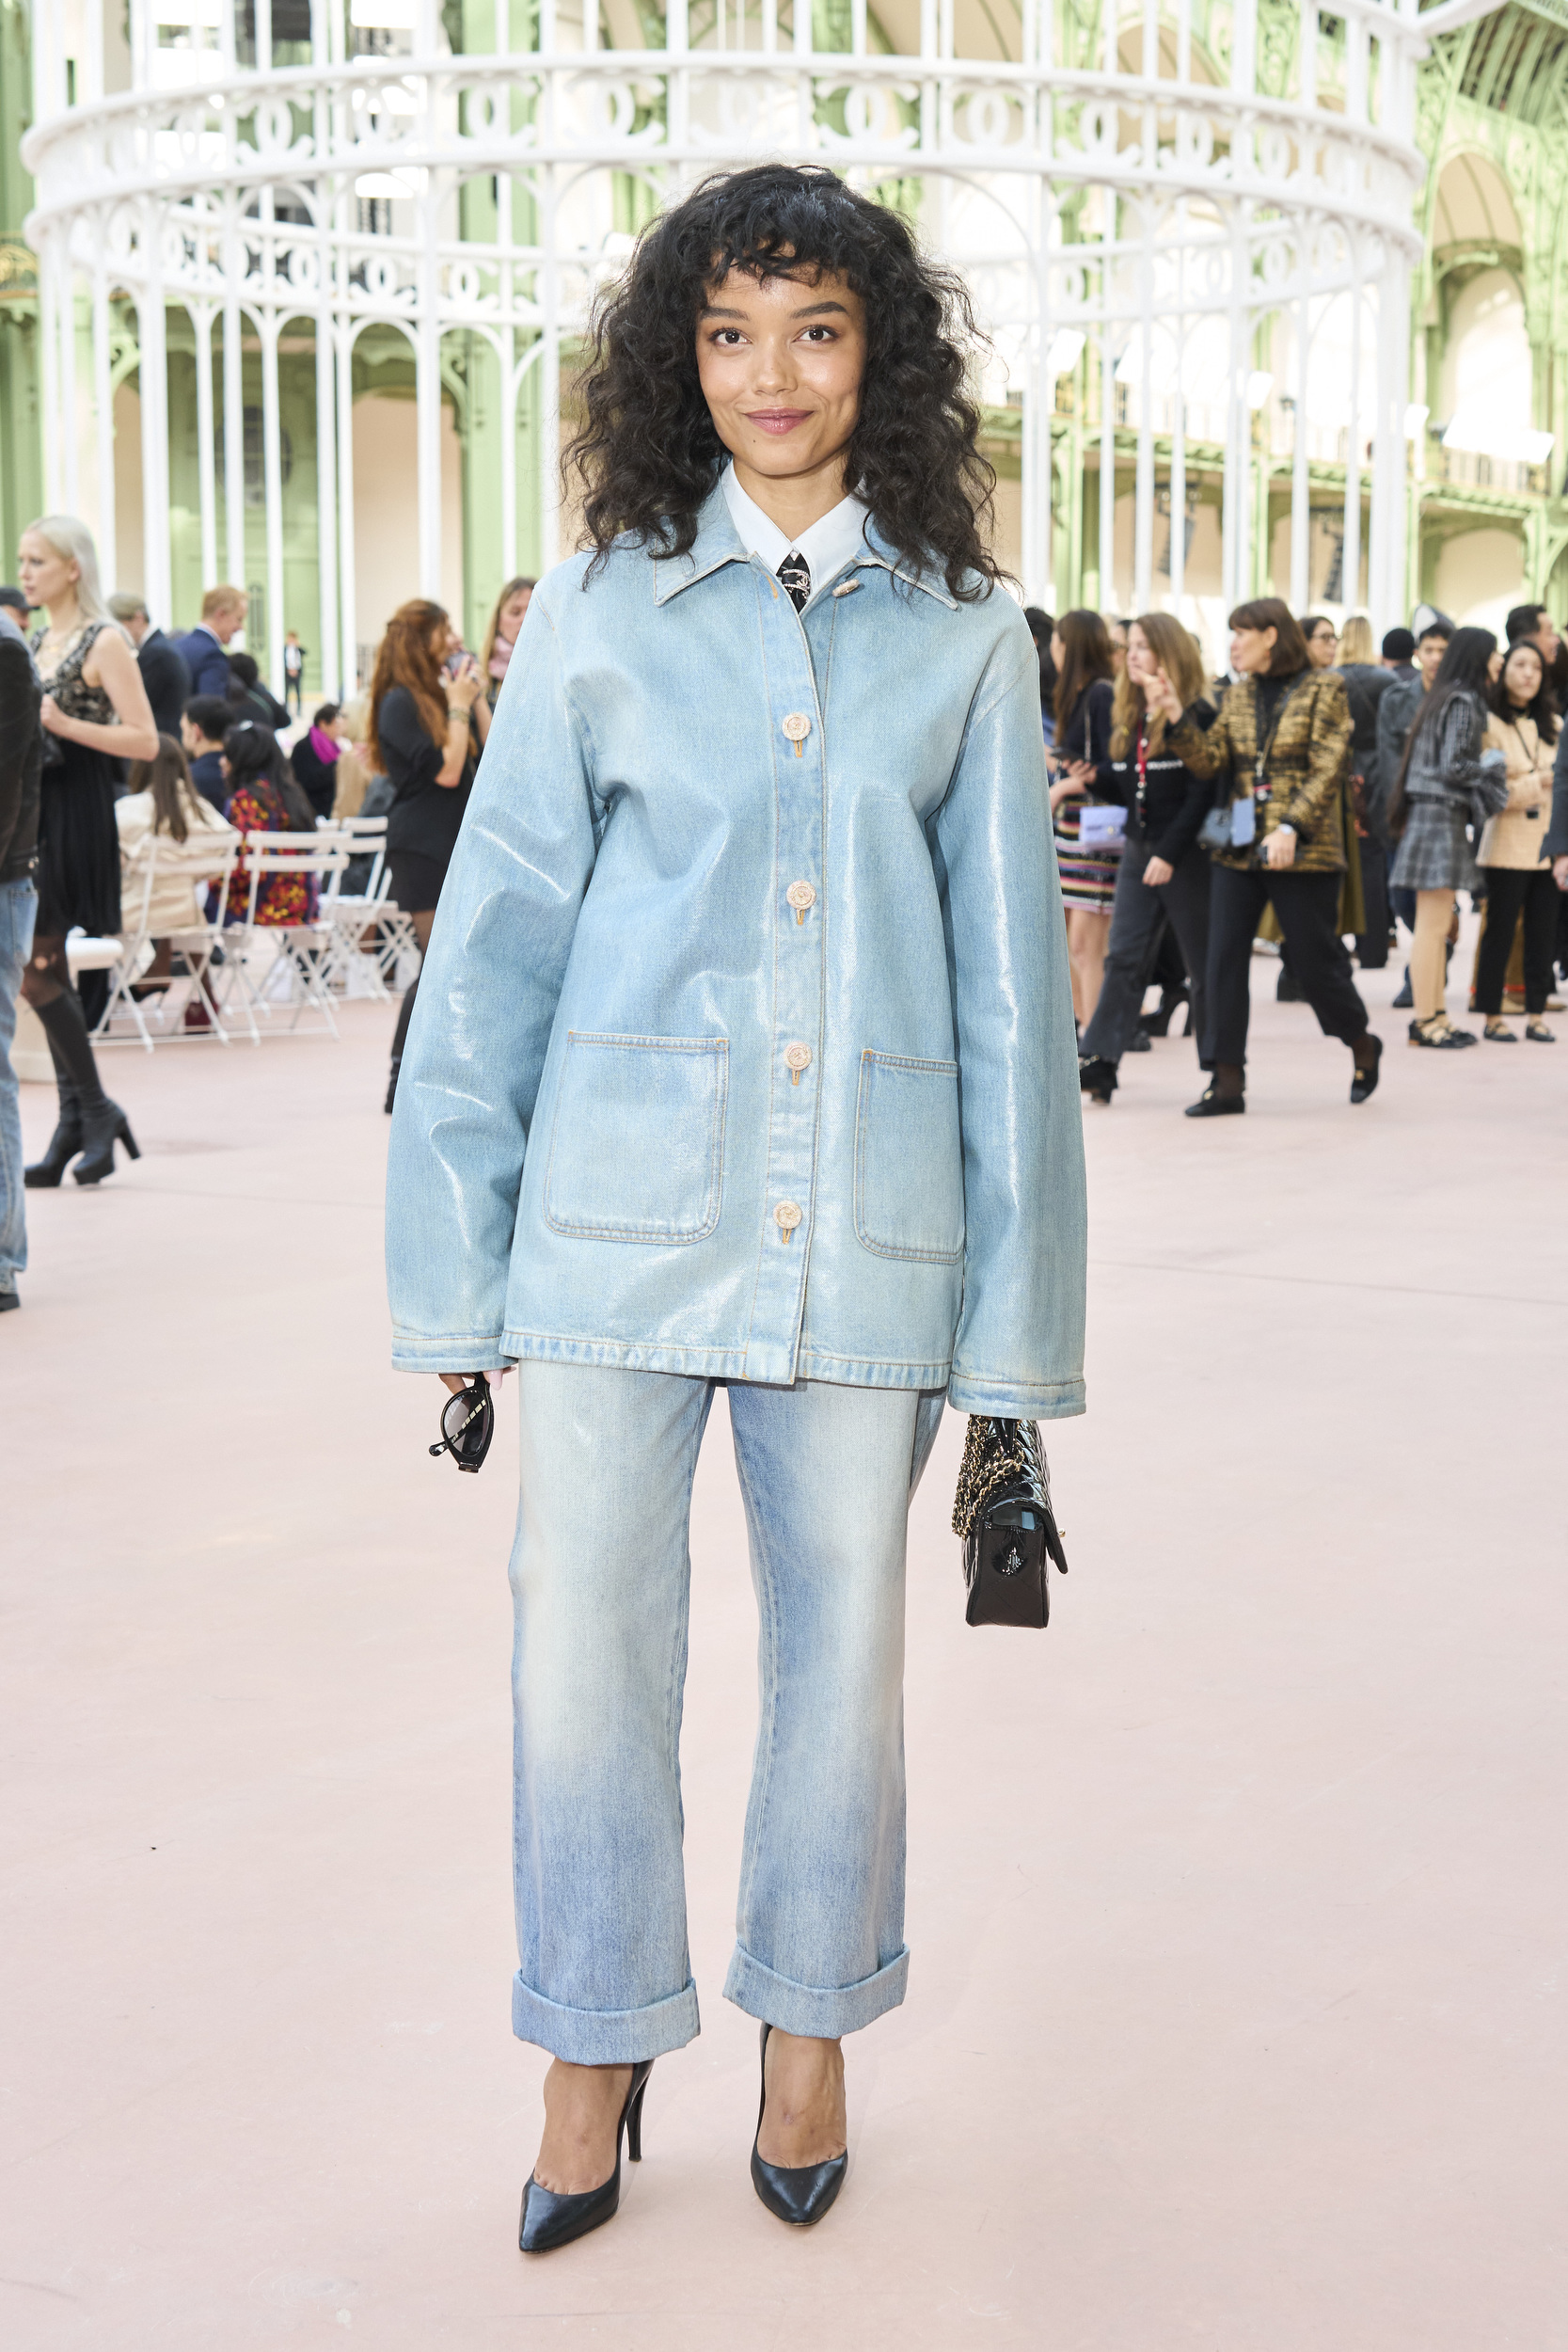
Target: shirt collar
<point>719,542</point>
<point>827,545</point>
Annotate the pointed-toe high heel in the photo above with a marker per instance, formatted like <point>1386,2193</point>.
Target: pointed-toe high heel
<point>799,2193</point>
<point>103,1125</point>
<point>550,2218</point>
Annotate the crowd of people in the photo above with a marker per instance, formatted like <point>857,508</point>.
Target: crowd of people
<point>1323,795</point>
<point>115,735</point>
<point>1320,795</point>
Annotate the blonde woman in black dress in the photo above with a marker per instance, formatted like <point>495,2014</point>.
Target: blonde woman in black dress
<point>95,714</point>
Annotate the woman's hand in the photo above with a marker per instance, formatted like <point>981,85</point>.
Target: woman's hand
<point>1064,789</point>
<point>1560,872</point>
<point>456,1381</point>
<point>1279,849</point>
<point>462,690</point>
<point>1162,698</point>
<point>1158,873</point>
<point>1083,775</point>
<point>55,719</point>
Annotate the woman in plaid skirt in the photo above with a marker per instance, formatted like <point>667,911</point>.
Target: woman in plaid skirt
<point>1447,781</point>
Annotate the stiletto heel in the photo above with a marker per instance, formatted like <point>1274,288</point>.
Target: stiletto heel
<point>799,2193</point>
<point>549,2219</point>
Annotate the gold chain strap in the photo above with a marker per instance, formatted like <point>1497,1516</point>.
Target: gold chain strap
<point>987,1465</point>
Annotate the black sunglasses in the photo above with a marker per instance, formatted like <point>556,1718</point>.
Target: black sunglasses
<point>468,1424</point>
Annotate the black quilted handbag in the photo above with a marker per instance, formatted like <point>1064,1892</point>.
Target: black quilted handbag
<point>1003,1511</point>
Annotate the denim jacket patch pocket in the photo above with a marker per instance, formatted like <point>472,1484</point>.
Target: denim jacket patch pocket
<point>637,1143</point>
<point>909,1159</point>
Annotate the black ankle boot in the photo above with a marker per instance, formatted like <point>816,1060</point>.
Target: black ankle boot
<point>100,1122</point>
<point>103,1125</point>
<point>64,1144</point>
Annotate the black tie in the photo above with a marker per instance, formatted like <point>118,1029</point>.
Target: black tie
<point>796,574</point>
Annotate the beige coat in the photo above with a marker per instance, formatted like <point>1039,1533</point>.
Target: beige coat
<point>1517,834</point>
<point>176,901</point>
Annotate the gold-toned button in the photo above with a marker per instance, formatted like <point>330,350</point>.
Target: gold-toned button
<point>786,1216</point>
<point>801,896</point>
<point>798,1058</point>
<point>797,726</point>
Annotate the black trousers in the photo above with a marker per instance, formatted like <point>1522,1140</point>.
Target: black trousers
<point>1137,912</point>
<point>1513,890</point>
<point>1372,949</point>
<point>1307,906</point>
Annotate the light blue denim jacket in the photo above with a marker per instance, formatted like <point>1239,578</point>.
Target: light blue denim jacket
<point>744,1045</point>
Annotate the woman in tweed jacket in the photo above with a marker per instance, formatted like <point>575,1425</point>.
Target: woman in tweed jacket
<point>1278,753</point>
<point>1448,777</point>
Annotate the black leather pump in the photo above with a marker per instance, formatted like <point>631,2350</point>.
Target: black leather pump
<point>549,2220</point>
<point>800,2193</point>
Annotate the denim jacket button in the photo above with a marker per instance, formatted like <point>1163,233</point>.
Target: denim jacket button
<point>797,1057</point>
<point>787,1216</point>
<point>801,896</point>
<point>797,726</point>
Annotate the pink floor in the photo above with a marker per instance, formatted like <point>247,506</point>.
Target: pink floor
<point>1236,1900</point>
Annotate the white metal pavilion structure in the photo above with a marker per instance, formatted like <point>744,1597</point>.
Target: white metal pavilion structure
<point>1164,252</point>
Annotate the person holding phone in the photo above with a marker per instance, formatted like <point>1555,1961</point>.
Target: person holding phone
<point>1162,875</point>
<point>1278,753</point>
<point>742,1054</point>
<point>425,737</point>
<point>1085,669</point>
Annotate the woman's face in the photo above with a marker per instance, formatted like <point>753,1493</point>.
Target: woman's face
<point>510,619</point>
<point>1058,651</point>
<point>1323,645</point>
<point>1252,650</point>
<point>44,575</point>
<point>1140,664</point>
<point>1495,664</point>
<point>1118,636</point>
<point>443,641</point>
<point>780,361</point>
<point>1521,676</point>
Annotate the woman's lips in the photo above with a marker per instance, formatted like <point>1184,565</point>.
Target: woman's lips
<point>777,420</point>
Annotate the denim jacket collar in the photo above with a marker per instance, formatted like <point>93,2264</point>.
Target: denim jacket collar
<point>718,542</point>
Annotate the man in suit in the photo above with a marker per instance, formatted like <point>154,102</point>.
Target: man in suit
<point>205,650</point>
<point>162,665</point>
<point>20,773</point>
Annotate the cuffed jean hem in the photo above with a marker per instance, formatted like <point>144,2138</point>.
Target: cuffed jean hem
<point>824,2013</point>
<point>604,2037</point>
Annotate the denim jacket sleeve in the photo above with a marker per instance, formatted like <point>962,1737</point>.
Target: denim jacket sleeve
<point>509,909</point>
<point>1019,1347</point>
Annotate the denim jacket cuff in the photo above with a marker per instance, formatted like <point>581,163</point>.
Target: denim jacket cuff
<point>451,1351</point>
<point>1016,1400</point>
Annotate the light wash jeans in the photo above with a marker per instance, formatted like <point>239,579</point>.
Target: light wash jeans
<point>18,905</point>
<point>600,1580</point>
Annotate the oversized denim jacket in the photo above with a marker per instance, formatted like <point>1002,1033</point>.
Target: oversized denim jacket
<point>744,1046</point>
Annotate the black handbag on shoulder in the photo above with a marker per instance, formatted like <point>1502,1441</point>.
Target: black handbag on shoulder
<point>1003,1511</point>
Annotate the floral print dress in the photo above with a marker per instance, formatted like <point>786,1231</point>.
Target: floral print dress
<point>282,897</point>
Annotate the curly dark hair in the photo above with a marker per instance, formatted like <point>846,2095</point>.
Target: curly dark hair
<point>648,455</point>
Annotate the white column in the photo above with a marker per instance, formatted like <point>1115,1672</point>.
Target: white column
<point>427,394</point>
<point>1350,568</point>
<point>156,583</point>
<point>348,593</point>
<point>327,496</point>
<point>1238,367</point>
<point>1142,495</point>
<point>49,371</point>
<point>206,443</point>
<point>550,379</point>
<point>233,400</point>
<point>71,472</point>
<point>1387,583</point>
<point>104,427</point>
<point>1178,422</point>
<point>272,480</point>
<point>1301,500</point>
<point>1107,448</point>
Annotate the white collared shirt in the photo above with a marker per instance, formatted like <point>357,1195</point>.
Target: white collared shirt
<point>826,545</point>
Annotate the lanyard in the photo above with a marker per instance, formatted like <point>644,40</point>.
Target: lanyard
<point>1143,765</point>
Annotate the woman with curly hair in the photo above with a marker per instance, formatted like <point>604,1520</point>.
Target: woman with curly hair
<point>743,1055</point>
<point>428,725</point>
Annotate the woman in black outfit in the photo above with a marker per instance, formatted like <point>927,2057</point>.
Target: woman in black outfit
<point>95,714</point>
<point>425,737</point>
<point>1081,650</point>
<point>1164,873</point>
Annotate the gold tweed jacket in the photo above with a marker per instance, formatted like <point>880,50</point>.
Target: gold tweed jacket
<point>1306,765</point>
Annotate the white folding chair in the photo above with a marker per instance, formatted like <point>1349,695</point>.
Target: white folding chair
<point>356,915</point>
<point>201,863</point>
<point>297,971</point>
